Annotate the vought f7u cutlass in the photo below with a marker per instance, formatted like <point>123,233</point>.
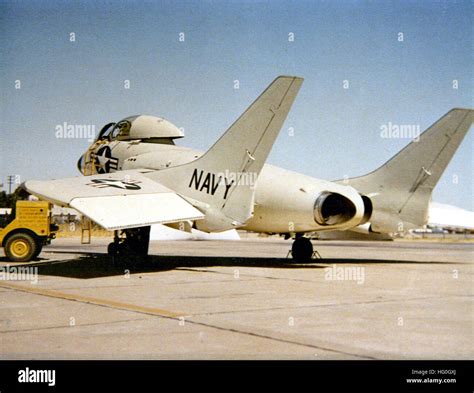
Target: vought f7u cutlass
<point>136,176</point>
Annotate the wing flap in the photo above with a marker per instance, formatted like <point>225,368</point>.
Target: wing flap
<point>129,211</point>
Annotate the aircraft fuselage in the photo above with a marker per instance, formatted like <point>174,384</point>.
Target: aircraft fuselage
<point>285,201</point>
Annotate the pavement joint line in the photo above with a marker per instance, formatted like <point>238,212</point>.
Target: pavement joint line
<point>327,305</point>
<point>91,300</point>
<point>283,340</point>
<point>102,286</point>
<point>69,327</point>
<point>256,276</point>
<point>161,313</point>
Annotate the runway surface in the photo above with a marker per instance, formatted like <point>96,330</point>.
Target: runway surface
<point>241,300</point>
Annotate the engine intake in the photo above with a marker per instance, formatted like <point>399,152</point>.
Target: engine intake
<point>333,209</point>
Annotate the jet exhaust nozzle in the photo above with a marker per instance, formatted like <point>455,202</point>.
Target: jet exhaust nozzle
<point>333,209</point>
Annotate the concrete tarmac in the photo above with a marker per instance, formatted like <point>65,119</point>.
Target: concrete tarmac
<point>240,300</point>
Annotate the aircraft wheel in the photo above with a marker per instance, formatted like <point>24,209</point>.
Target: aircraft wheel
<point>113,249</point>
<point>21,247</point>
<point>302,250</point>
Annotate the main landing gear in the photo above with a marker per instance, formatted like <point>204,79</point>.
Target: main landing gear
<point>302,249</point>
<point>132,242</point>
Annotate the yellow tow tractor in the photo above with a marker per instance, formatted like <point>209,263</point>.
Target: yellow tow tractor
<point>24,232</point>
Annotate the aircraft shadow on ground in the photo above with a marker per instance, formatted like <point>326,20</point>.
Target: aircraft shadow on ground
<point>95,265</point>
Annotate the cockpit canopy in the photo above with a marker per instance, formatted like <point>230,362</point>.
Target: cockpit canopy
<point>150,129</point>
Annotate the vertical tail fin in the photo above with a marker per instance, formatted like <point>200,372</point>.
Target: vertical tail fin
<point>400,190</point>
<point>222,179</point>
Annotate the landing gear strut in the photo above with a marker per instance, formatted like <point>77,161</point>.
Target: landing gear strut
<point>130,242</point>
<point>302,249</point>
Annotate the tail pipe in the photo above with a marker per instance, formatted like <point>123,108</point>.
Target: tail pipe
<point>333,209</point>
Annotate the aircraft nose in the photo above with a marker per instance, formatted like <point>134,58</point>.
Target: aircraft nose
<point>80,164</point>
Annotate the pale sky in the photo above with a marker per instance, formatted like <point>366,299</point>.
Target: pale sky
<point>337,131</point>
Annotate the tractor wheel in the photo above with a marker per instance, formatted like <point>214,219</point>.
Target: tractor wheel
<point>21,247</point>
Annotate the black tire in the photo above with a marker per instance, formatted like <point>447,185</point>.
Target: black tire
<point>302,250</point>
<point>21,247</point>
<point>113,249</point>
<point>39,248</point>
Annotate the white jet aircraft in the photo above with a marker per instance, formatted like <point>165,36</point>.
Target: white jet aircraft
<point>136,176</point>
